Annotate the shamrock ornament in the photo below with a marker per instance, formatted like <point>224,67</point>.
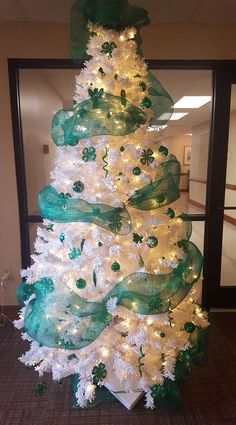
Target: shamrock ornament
<point>95,95</point>
<point>147,157</point>
<point>99,373</point>
<point>74,253</point>
<point>40,389</point>
<point>108,48</point>
<point>89,154</point>
<point>137,238</point>
<point>115,223</point>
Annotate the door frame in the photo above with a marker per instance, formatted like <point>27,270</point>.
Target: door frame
<point>213,295</point>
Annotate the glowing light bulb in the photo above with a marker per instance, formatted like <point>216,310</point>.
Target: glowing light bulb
<point>122,38</point>
<point>105,352</point>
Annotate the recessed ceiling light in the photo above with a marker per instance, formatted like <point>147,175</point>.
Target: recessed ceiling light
<point>157,127</point>
<point>192,102</point>
<point>174,117</point>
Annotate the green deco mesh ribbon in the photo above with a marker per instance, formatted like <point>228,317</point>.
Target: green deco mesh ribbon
<point>66,210</point>
<point>141,293</point>
<point>162,103</point>
<point>110,14</point>
<point>102,115</point>
<point>163,190</point>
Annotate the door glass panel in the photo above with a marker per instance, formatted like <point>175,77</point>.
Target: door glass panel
<point>228,263</point>
<point>42,93</point>
<point>188,137</point>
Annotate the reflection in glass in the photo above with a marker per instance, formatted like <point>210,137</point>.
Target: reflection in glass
<point>228,262</point>
<point>188,136</point>
<point>42,93</point>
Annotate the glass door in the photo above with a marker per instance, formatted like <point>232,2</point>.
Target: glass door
<point>219,289</point>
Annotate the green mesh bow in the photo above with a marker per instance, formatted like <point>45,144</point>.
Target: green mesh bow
<point>102,114</point>
<point>137,292</point>
<point>54,208</point>
<point>163,190</point>
<point>110,14</point>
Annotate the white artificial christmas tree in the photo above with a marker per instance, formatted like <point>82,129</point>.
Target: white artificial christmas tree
<point>110,298</point>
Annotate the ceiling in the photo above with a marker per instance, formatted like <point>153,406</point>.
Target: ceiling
<point>160,11</point>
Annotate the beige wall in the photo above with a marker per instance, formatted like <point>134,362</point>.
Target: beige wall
<point>51,41</point>
<point>200,144</point>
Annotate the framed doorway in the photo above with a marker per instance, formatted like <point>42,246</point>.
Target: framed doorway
<point>200,140</point>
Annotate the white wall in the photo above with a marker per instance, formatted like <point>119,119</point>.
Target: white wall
<point>199,157</point>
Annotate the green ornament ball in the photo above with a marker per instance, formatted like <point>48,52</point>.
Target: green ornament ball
<point>81,283</point>
<point>152,241</point>
<point>136,171</point>
<point>78,186</point>
<point>170,213</point>
<point>115,266</point>
<point>160,198</point>
<point>163,150</point>
<point>189,327</point>
<point>146,103</point>
<point>142,85</point>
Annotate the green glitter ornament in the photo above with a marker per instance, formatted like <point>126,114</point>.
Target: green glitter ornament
<point>108,48</point>
<point>115,266</point>
<point>152,241</point>
<point>89,154</point>
<point>160,198</point>
<point>189,327</point>
<point>146,103</point>
<point>81,283</point>
<point>62,237</point>
<point>163,150</point>
<point>170,213</point>
<point>78,186</point>
<point>147,156</point>
<point>137,238</point>
<point>74,253</point>
<point>142,85</point>
<point>40,389</point>
<point>136,171</point>
<point>99,373</point>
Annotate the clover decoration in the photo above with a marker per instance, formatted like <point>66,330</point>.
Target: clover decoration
<point>147,157</point>
<point>89,154</point>
<point>108,48</point>
<point>95,95</point>
<point>40,389</point>
<point>74,253</point>
<point>99,373</point>
<point>115,223</point>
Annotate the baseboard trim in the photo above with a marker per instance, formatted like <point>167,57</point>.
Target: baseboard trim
<point>227,217</point>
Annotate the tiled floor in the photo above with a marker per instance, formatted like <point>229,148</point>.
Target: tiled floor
<point>209,395</point>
